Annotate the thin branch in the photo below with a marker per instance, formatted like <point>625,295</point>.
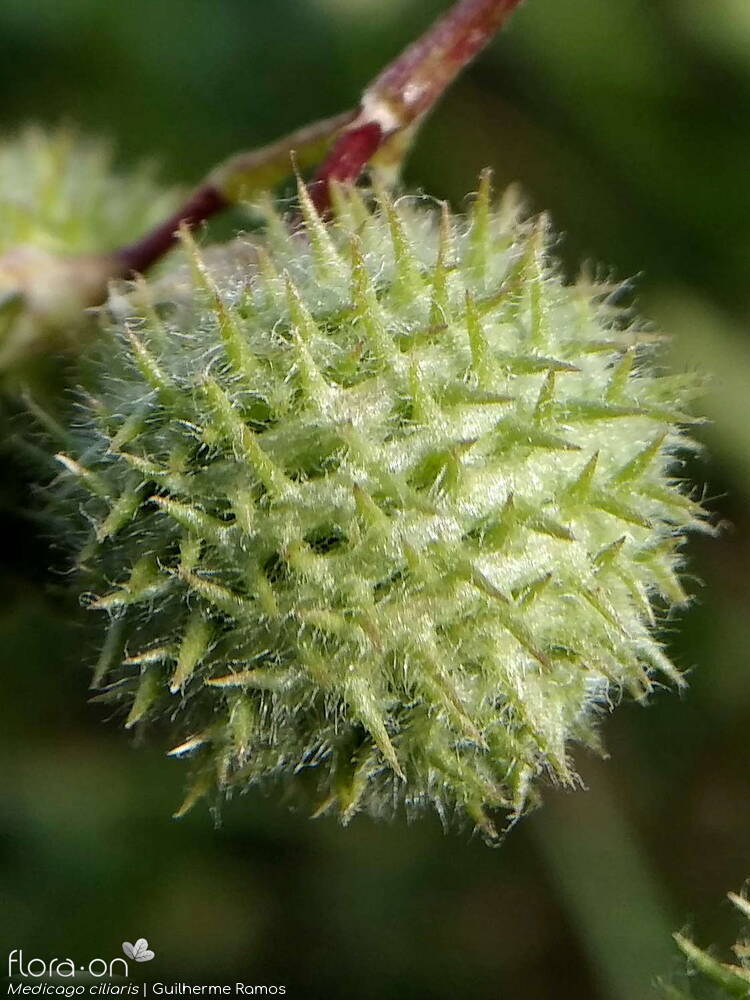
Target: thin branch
<point>398,99</point>
<point>379,131</point>
<point>238,178</point>
<point>246,174</point>
<point>138,257</point>
<point>383,127</point>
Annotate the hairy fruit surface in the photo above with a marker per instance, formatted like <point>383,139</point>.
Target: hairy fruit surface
<point>62,204</point>
<point>386,517</point>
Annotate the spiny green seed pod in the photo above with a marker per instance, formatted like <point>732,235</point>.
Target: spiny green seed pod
<point>62,205</point>
<point>716,979</point>
<point>389,518</point>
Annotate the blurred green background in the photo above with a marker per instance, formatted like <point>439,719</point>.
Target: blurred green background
<point>629,120</point>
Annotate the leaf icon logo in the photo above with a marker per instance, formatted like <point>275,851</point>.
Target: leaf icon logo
<point>139,951</point>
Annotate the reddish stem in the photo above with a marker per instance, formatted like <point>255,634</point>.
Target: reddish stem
<point>347,159</point>
<point>401,95</point>
<point>228,183</point>
<point>138,257</point>
<point>407,89</point>
<point>417,79</point>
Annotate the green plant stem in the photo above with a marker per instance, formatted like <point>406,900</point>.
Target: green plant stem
<point>607,885</point>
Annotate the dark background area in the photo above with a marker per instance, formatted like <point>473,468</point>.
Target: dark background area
<point>629,120</point>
